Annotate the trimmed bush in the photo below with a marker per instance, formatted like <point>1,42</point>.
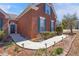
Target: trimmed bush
<point>57,51</point>
<point>43,36</point>
<point>16,49</point>
<point>2,34</point>
<point>8,44</point>
<point>59,30</point>
<point>46,35</point>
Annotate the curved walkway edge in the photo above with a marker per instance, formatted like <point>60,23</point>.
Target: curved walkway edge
<point>22,42</point>
<point>67,46</point>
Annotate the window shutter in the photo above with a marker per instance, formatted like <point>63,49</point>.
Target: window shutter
<point>50,25</point>
<point>45,23</point>
<point>51,11</point>
<point>44,8</point>
<point>1,23</point>
<point>38,24</point>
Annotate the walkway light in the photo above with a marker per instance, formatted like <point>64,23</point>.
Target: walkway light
<point>62,38</point>
<point>54,42</point>
<point>23,45</point>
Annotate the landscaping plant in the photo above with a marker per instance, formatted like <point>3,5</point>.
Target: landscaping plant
<point>43,36</point>
<point>69,22</point>
<point>46,35</point>
<point>40,52</point>
<point>59,30</point>
<point>57,51</point>
<point>2,34</point>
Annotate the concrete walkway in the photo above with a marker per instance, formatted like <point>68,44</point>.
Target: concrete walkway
<point>36,45</point>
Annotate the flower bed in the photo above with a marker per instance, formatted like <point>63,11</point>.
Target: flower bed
<point>44,35</point>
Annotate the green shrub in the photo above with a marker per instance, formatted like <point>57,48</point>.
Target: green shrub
<point>47,35</point>
<point>16,49</point>
<point>43,36</point>
<point>57,51</point>
<point>40,52</point>
<point>2,34</point>
<point>59,30</point>
<point>8,44</point>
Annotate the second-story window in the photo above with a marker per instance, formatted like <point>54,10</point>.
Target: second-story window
<point>47,9</point>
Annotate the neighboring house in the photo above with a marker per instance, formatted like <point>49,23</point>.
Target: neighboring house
<point>6,21</point>
<point>36,18</point>
<point>76,24</point>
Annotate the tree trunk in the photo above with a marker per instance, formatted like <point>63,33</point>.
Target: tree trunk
<point>71,29</point>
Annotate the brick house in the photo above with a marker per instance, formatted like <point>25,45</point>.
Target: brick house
<point>34,19</point>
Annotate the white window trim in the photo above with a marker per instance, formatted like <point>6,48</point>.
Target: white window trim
<point>52,20</point>
<point>43,18</point>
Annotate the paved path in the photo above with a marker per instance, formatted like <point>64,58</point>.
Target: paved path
<point>36,45</point>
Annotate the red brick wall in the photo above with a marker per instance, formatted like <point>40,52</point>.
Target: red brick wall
<point>13,21</point>
<point>36,14</point>
<point>28,23</point>
<point>5,21</point>
<point>24,24</point>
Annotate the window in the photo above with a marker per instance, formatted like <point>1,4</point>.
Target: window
<point>52,25</point>
<point>42,24</point>
<point>47,9</point>
<point>1,23</point>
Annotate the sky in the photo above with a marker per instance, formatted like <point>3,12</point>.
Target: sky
<point>61,9</point>
<point>13,8</point>
<point>66,8</point>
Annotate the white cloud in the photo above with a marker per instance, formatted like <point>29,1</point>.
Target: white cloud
<point>5,7</point>
<point>71,9</point>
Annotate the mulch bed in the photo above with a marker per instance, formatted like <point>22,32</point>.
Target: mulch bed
<point>28,52</point>
<point>19,52</point>
<point>1,51</point>
<point>74,51</point>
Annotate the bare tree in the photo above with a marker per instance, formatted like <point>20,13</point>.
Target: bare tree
<point>69,21</point>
